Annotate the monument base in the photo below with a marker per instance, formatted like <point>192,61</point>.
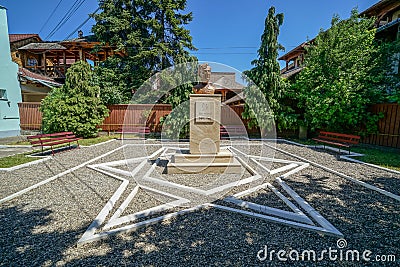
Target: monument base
<point>184,163</point>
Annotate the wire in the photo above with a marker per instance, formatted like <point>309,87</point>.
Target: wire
<point>76,5</point>
<point>59,42</point>
<point>52,13</point>
<point>83,23</point>
<point>67,16</point>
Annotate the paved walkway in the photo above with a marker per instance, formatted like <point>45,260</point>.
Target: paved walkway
<point>8,150</point>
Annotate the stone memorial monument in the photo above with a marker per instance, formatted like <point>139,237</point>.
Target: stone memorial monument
<point>204,154</point>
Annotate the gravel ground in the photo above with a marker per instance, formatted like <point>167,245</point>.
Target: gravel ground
<point>42,227</point>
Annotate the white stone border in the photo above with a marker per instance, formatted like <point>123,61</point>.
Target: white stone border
<point>295,219</point>
<point>90,234</point>
<point>55,177</point>
<point>44,158</point>
<point>102,143</point>
<point>345,157</point>
<point>13,168</point>
<point>325,227</point>
<point>364,184</point>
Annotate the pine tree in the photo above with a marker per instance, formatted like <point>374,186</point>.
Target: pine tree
<point>150,32</point>
<point>75,107</point>
<point>266,75</point>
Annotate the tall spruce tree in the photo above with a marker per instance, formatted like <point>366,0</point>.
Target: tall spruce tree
<point>266,75</point>
<point>150,32</point>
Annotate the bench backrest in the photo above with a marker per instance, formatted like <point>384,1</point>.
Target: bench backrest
<point>346,138</point>
<point>43,138</point>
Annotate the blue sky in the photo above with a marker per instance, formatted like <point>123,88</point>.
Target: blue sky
<point>224,31</point>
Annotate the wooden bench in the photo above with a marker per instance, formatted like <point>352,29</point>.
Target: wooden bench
<point>133,130</point>
<point>337,139</point>
<point>50,140</point>
<point>227,131</point>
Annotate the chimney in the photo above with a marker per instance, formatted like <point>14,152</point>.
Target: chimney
<point>5,53</point>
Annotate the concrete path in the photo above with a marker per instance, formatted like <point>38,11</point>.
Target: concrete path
<point>8,150</point>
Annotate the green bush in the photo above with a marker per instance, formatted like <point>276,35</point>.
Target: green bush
<point>76,106</point>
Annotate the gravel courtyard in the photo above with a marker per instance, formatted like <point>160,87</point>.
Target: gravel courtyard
<point>42,227</point>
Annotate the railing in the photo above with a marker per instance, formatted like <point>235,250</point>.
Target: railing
<point>50,71</point>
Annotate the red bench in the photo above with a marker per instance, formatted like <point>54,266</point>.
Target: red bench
<point>227,131</point>
<point>53,139</point>
<point>133,130</point>
<point>337,139</point>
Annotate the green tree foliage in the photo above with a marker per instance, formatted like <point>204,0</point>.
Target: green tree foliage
<point>151,33</point>
<point>174,85</point>
<point>336,86</point>
<point>110,86</point>
<point>386,76</point>
<point>266,75</point>
<point>75,106</point>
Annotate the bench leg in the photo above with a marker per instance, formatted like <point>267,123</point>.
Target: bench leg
<point>52,151</point>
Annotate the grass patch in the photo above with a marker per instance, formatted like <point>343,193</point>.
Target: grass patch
<point>18,159</point>
<point>15,160</point>
<point>385,157</point>
<point>382,156</point>
<point>84,142</point>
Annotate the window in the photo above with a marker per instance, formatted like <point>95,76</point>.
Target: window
<point>32,61</point>
<point>3,94</point>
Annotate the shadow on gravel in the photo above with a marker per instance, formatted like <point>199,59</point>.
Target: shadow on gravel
<point>210,237</point>
<point>24,240</point>
<point>48,152</point>
<point>368,219</point>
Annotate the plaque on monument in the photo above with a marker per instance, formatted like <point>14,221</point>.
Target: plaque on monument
<point>204,111</point>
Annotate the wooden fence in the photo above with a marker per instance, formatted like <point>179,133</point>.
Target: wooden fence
<point>31,119</point>
<point>388,127</point>
<point>135,115</point>
<point>30,116</point>
<point>132,115</point>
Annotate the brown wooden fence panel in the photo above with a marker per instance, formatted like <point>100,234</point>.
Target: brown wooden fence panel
<point>135,115</point>
<point>388,127</point>
<point>232,115</point>
<point>128,115</point>
<point>30,116</point>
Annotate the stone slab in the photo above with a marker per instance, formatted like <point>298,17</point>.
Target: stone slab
<point>183,156</point>
<point>204,168</point>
